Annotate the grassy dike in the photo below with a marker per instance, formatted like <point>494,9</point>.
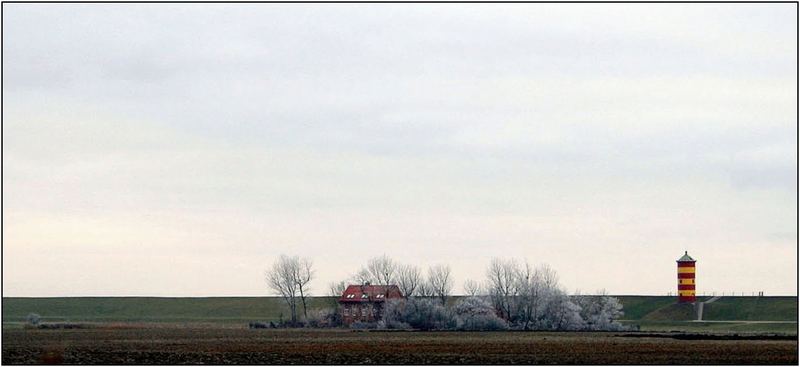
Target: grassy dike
<point>651,313</point>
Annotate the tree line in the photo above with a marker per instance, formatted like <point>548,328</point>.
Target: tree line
<point>514,294</point>
<point>409,279</point>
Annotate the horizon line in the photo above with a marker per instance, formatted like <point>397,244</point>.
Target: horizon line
<point>328,296</point>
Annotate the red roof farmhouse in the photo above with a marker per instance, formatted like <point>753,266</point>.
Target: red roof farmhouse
<point>365,302</point>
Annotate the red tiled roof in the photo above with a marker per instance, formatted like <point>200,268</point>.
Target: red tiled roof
<point>370,293</point>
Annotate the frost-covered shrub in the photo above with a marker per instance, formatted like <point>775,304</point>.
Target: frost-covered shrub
<point>33,319</point>
<point>600,312</point>
<point>393,314</point>
<point>559,313</point>
<point>474,313</point>
<point>428,314</point>
<point>566,314</point>
<point>328,317</point>
<point>393,310</point>
<point>530,298</point>
<point>417,313</point>
<point>473,306</point>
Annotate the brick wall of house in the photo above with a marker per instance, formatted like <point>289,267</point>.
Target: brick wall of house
<point>363,312</point>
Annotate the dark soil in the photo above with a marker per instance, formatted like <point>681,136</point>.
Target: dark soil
<point>700,336</point>
<point>224,345</point>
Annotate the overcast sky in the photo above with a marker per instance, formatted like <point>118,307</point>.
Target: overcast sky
<point>177,150</point>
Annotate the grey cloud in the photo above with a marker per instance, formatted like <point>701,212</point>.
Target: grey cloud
<point>542,129</point>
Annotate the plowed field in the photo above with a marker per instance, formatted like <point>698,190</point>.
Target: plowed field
<point>226,345</point>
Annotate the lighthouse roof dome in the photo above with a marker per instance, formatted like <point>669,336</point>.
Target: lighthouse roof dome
<point>686,257</point>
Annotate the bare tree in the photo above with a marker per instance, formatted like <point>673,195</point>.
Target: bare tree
<point>472,288</point>
<point>281,279</point>
<point>363,276</point>
<point>440,280</point>
<point>302,277</point>
<point>336,289</point>
<point>501,278</point>
<point>529,286</point>
<point>424,289</point>
<point>408,279</point>
<point>545,285</point>
<point>382,269</point>
<point>289,277</point>
<point>548,276</point>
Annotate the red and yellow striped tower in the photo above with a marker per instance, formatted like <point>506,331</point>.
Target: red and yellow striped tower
<point>686,278</point>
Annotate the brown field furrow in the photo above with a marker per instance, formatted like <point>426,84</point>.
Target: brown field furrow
<point>178,345</point>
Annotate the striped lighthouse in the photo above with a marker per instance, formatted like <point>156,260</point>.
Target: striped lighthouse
<point>686,278</point>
